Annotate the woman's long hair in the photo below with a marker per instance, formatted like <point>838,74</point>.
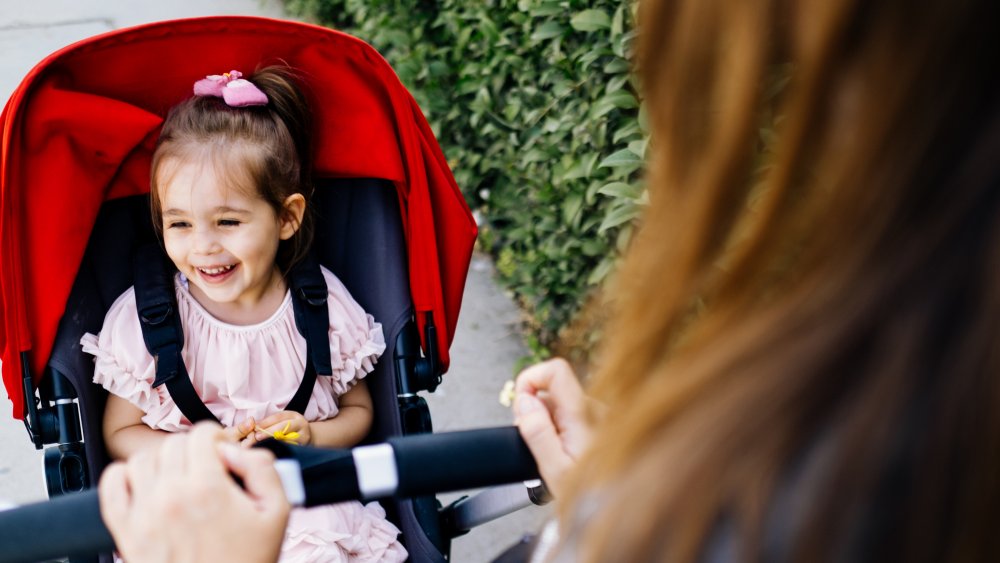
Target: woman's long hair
<point>836,393</point>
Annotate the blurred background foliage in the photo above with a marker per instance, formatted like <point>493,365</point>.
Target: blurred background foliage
<point>535,107</point>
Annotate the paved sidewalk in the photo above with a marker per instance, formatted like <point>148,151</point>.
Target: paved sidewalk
<point>487,343</point>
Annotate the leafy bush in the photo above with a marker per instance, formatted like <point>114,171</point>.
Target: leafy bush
<point>534,105</point>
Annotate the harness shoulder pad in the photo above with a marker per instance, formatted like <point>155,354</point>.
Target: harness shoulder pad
<point>156,305</point>
<point>312,317</point>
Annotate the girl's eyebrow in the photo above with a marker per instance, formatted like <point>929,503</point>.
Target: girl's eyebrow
<point>218,210</point>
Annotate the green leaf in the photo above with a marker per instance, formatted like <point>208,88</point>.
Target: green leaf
<point>622,99</point>
<point>601,271</point>
<point>548,9</point>
<point>629,129</point>
<point>590,20</point>
<point>588,57</point>
<point>617,66</point>
<point>638,147</point>
<point>621,190</point>
<point>593,247</point>
<point>618,22</point>
<point>622,214</point>
<point>571,209</point>
<point>615,84</point>
<point>547,30</point>
<point>623,157</point>
<point>534,155</point>
<point>600,109</point>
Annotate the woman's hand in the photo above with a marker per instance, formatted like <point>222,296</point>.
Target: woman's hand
<point>178,502</point>
<point>284,422</point>
<point>549,408</point>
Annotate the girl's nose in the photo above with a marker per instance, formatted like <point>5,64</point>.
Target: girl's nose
<point>205,242</point>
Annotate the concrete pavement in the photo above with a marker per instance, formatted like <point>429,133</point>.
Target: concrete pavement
<point>488,341</point>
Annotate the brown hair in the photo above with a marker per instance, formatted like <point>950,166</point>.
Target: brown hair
<point>267,148</point>
<point>839,396</point>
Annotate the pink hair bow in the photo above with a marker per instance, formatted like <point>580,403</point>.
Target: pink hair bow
<point>232,88</point>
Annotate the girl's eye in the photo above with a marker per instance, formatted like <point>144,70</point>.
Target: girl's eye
<point>228,222</point>
<point>178,225</point>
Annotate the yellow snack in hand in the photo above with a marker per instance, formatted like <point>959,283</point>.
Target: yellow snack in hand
<point>284,435</point>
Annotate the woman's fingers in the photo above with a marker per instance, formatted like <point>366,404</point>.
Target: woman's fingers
<point>539,431</point>
<point>199,447</point>
<point>261,482</point>
<point>554,378</point>
<point>179,502</point>
<point>549,409</point>
<point>115,497</point>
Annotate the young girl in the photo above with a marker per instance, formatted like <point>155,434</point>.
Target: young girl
<point>228,195</point>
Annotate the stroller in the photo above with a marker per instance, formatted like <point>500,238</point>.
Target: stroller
<point>78,135</point>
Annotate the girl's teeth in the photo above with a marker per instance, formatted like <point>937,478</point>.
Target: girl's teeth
<point>216,271</point>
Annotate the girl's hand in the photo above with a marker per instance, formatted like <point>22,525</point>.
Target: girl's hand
<point>178,501</point>
<point>549,409</point>
<point>284,422</point>
<point>239,432</point>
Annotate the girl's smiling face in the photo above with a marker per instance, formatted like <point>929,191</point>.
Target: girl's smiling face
<point>225,240</point>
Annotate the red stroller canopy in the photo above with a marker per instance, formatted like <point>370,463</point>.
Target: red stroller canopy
<point>80,128</point>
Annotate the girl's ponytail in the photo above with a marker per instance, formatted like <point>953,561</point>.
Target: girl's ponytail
<point>289,104</point>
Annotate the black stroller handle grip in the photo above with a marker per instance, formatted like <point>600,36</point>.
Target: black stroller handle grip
<point>68,525</point>
<point>453,461</point>
<point>71,525</point>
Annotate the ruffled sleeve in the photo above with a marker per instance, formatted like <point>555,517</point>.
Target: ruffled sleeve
<point>121,363</point>
<point>356,340</point>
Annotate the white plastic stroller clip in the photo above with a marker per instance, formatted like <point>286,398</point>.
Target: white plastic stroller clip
<point>376,469</point>
<point>290,474</point>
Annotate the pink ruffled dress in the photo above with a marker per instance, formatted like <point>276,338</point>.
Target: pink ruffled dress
<point>241,371</point>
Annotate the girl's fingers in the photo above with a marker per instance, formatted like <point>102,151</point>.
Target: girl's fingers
<point>239,432</point>
<point>276,418</point>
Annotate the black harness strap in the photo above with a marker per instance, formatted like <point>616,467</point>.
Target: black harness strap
<point>156,302</point>
<point>312,318</point>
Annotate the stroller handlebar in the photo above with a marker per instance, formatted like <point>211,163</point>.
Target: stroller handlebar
<point>404,466</point>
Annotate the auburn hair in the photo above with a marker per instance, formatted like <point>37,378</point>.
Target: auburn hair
<point>266,149</point>
<point>837,396</point>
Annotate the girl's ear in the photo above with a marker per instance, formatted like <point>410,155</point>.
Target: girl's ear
<point>293,209</point>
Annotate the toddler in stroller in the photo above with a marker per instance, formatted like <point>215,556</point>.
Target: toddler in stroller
<point>78,135</point>
<point>229,194</point>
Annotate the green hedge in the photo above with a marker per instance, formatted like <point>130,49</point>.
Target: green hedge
<point>534,105</point>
